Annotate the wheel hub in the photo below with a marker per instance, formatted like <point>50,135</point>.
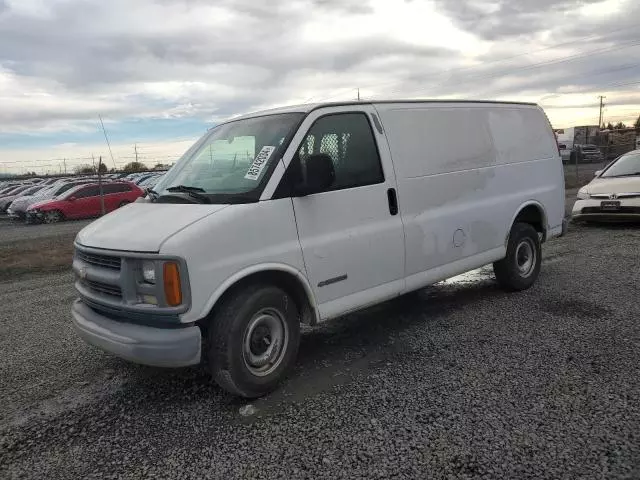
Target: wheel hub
<point>525,257</point>
<point>265,340</point>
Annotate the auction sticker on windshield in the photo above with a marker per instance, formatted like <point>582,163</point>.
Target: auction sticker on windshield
<point>259,163</point>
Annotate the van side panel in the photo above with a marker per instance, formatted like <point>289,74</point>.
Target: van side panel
<point>463,171</point>
<point>524,136</point>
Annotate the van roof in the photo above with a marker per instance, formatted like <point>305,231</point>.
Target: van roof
<point>309,107</point>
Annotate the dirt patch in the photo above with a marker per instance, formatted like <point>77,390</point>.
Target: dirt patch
<point>38,256</point>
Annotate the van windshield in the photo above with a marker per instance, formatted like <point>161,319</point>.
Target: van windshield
<point>232,162</point>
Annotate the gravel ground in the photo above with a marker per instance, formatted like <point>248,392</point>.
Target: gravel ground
<point>458,381</point>
<point>11,231</point>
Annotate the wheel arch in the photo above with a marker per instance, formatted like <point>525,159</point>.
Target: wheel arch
<point>284,276</point>
<point>533,213</point>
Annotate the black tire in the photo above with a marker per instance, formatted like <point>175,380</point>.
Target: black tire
<point>123,203</point>
<point>235,341</point>
<point>521,267</point>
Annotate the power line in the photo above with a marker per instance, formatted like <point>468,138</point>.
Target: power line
<point>107,139</point>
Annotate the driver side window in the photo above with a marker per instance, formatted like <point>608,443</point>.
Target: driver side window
<point>348,139</point>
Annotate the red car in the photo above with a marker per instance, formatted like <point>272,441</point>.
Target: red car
<point>83,201</point>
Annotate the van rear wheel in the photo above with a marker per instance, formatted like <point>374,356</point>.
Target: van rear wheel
<point>521,266</point>
<point>253,340</point>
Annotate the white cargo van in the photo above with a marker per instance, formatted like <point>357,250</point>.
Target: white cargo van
<point>307,213</point>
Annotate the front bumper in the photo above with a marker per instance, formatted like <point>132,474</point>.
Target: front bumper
<point>590,210</point>
<point>32,216</point>
<point>159,347</point>
<point>18,215</point>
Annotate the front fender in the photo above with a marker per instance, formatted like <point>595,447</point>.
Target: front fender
<point>260,268</point>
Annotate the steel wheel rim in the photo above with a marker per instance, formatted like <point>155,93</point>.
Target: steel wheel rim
<point>526,257</point>
<point>264,342</point>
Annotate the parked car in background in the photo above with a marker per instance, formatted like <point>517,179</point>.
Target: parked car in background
<point>6,200</point>
<point>150,182</point>
<point>586,154</point>
<point>614,194</point>
<point>84,202</point>
<point>18,209</point>
<point>12,190</point>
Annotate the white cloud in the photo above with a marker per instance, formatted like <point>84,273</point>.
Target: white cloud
<point>63,62</point>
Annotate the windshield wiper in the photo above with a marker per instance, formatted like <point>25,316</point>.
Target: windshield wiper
<point>193,192</point>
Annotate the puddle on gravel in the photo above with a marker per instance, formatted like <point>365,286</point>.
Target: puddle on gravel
<point>478,275</point>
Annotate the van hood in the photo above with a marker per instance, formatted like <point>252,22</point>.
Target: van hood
<point>614,185</point>
<point>142,227</point>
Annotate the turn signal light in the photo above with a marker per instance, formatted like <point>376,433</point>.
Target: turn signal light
<point>172,288</point>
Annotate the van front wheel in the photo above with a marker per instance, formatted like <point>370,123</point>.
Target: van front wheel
<point>253,340</point>
<point>520,268</point>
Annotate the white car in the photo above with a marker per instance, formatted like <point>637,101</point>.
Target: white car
<point>614,194</point>
<point>307,213</point>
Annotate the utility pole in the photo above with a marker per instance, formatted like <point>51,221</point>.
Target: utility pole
<point>93,161</point>
<point>135,149</point>
<point>100,186</point>
<point>358,94</point>
<point>64,160</point>
<point>602,97</point>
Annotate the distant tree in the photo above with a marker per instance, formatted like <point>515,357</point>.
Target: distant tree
<point>160,166</point>
<point>610,126</point>
<point>637,124</point>
<point>134,167</point>
<point>85,169</point>
<point>620,126</point>
<point>102,168</point>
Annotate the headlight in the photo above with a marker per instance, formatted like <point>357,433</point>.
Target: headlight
<point>583,195</point>
<point>149,271</point>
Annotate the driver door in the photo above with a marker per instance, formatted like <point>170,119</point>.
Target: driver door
<point>351,234</point>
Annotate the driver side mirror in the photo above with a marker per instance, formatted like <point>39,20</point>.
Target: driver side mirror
<point>319,175</point>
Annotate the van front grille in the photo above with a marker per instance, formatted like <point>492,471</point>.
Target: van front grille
<point>103,288</point>
<point>104,261</point>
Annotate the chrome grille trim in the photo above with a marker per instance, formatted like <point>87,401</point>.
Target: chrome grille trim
<point>607,196</point>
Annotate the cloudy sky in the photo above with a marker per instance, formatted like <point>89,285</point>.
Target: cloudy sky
<point>160,72</point>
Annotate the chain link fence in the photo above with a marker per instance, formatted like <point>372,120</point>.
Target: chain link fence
<point>580,166</point>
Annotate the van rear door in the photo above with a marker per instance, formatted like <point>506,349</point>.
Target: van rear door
<point>351,234</point>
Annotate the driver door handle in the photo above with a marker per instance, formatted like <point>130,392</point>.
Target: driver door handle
<point>393,201</point>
